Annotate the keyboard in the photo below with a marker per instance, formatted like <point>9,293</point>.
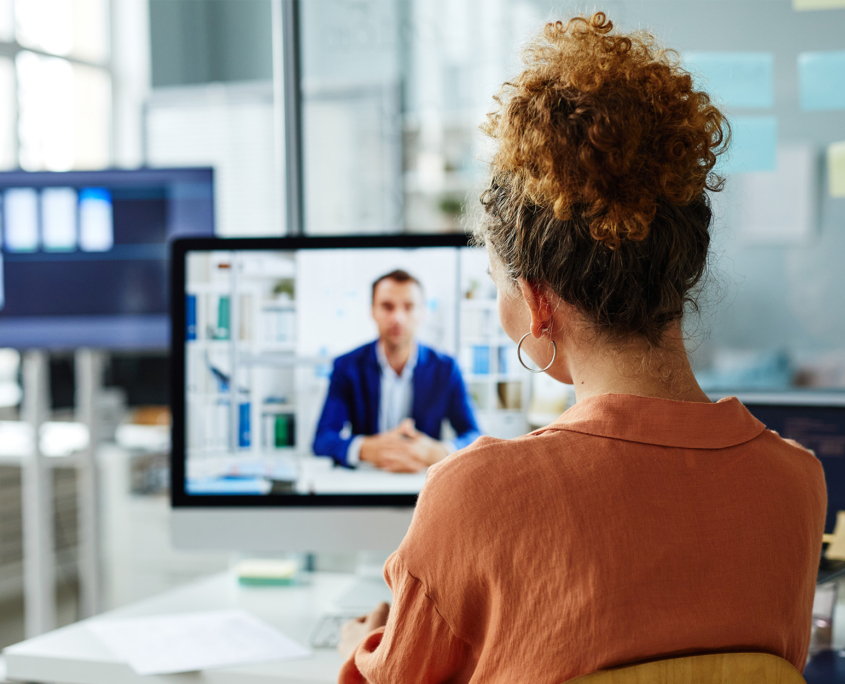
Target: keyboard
<point>327,632</point>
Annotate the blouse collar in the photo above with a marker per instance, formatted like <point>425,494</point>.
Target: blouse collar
<point>662,422</point>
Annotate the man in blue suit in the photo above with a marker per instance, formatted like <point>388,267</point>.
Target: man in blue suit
<point>395,392</point>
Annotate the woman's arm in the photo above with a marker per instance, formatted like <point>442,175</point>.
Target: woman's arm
<point>416,645</point>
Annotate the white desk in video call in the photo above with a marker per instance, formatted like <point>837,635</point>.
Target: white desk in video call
<point>73,655</point>
<point>364,480</point>
<point>318,475</point>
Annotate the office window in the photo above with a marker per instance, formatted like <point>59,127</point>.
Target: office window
<point>393,92</point>
<point>46,116</point>
<point>55,84</point>
<point>8,107</point>
<point>92,117</point>
<point>45,25</point>
<point>72,28</point>
<point>7,21</point>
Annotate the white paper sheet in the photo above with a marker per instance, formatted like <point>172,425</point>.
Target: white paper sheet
<point>186,642</point>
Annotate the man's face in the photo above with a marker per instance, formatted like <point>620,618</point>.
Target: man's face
<point>397,310</point>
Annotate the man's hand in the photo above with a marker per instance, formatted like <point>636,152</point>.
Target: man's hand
<point>392,452</point>
<point>402,450</point>
<point>352,632</point>
<point>429,450</point>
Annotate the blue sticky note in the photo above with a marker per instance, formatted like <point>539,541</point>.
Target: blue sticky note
<point>753,145</point>
<point>821,80</point>
<point>735,79</point>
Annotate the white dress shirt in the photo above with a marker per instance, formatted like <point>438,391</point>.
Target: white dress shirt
<point>397,390</point>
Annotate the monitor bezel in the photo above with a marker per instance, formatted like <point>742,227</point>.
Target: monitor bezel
<point>180,248</point>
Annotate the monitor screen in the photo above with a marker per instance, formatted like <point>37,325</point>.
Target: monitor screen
<point>84,254</point>
<point>278,365</point>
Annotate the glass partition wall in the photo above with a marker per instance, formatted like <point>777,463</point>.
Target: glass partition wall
<point>392,95</point>
<point>393,92</point>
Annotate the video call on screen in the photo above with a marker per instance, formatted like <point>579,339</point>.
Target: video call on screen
<point>264,330</point>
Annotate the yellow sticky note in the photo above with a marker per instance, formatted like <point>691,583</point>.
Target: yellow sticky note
<point>800,5</point>
<point>836,549</point>
<point>836,169</point>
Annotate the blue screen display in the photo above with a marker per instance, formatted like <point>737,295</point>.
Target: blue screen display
<point>84,255</point>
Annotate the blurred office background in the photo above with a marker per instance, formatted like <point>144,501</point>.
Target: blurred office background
<point>391,94</point>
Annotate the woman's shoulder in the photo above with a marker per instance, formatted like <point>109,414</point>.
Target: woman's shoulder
<point>479,500</point>
<point>787,445</point>
<point>484,477</point>
<point>492,456</point>
<point>792,456</point>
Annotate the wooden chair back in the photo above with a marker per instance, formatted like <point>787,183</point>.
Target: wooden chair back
<point>712,668</point>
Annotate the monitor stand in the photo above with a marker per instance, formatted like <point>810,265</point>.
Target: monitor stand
<point>369,588</point>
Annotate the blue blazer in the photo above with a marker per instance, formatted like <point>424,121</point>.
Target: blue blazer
<point>353,398</point>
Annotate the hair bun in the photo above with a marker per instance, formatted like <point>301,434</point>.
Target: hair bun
<point>605,126</point>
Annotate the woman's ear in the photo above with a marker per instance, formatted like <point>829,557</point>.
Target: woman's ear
<point>538,304</point>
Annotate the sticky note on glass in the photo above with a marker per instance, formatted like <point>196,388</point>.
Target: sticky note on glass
<point>836,169</point>
<point>821,80</point>
<point>800,5</point>
<point>753,145</point>
<point>735,79</point>
<point>779,207</point>
<point>836,550</point>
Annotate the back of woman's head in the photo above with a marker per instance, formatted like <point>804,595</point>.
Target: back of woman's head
<point>598,189</point>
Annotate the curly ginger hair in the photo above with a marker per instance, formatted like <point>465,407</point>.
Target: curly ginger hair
<point>604,152</point>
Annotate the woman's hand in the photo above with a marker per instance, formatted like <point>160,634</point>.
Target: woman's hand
<point>352,632</point>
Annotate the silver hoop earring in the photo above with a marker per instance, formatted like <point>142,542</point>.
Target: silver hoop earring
<point>531,370</point>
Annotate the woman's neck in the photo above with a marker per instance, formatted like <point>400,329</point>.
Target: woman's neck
<point>634,367</point>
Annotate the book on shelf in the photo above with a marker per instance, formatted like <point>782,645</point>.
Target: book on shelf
<point>190,317</point>
<point>480,359</point>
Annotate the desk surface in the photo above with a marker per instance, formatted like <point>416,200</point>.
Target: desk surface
<point>73,655</point>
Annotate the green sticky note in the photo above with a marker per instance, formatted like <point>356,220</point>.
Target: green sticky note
<point>753,145</point>
<point>282,431</point>
<point>734,79</point>
<point>821,80</point>
<point>223,318</point>
<point>836,169</point>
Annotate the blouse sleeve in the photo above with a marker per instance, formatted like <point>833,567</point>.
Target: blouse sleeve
<point>416,645</point>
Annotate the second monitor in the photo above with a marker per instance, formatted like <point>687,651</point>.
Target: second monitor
<point>83,254</point>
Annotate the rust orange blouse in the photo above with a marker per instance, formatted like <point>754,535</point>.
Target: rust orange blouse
<point>630,528</point>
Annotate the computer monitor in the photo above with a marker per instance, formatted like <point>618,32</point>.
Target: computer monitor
<point>84,256</point>
<point>816,420</point>
<point>258,327</point>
